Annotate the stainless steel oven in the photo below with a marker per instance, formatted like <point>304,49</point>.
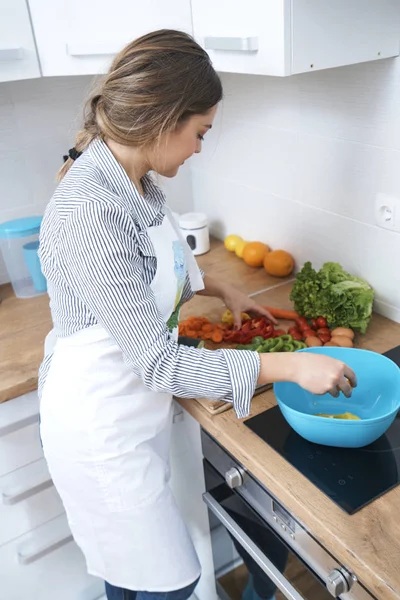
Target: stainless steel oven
<point>259,549</point>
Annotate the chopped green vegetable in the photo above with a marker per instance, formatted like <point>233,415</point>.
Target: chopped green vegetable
<point>278,346</point>
<point>344,300</point>
<point>287,347</point>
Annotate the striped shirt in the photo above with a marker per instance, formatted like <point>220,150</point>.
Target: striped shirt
<point>99,263</point>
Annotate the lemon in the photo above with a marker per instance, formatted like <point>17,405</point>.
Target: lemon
<point>240,246</point>
<point>346,416</point>
<point>231,241</point>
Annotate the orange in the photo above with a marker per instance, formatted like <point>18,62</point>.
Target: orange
<point>279,263</point>
<point>240,246</point>
<point>231,241</point>
<point>254,254</point>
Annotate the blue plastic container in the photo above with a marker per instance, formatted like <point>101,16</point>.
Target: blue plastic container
<point>19,242</point>
<point>32,262</point>
<point>376,400</point>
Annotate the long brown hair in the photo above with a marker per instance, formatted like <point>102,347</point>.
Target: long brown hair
<point>154,84</point>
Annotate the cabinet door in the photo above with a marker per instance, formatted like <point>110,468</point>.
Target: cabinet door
<point>245,37</point>
<point>329,34</point>
<point>75,37</point>
<point>45,564</point>
<point>18,58</point>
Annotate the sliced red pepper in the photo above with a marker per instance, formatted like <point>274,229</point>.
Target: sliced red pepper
<point>246,339</point>
<point>246,326</point>
<point>229,335</point>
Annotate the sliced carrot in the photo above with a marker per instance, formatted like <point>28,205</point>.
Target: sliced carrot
<point>191,333</point>
<point>217,337</point>
<point>282,313</point>
<point>207,327</point>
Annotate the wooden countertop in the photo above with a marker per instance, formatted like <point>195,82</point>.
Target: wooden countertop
<point>24,323</point>
<point>368,542</point>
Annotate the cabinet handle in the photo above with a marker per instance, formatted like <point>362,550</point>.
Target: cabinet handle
<point>256,554</point>
<point>178,416</point>
<point>93,49</point>
<point>11,53</point>
<point>26,557</point>
<point>24,493</point>
<point>235,44</point>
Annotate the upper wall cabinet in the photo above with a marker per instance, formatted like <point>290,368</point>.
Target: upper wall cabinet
<point>18,58</point>
<point>81,36</point>
<point>285,37</point>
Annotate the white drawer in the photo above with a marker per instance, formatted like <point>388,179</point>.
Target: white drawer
<point>45,564</point>
<point>28,499</point>
<point>19,433</point>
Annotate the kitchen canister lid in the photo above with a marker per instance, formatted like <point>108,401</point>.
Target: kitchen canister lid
<point>193,220</point>
<point>19,228</point>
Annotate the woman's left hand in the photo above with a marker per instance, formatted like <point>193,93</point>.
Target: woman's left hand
<point>238,302</point>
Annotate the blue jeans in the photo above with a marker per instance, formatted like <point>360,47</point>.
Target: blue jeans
<point>115,593</point>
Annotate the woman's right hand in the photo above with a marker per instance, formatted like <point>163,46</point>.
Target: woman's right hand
<point>321,374</point>
<point>316,373</point>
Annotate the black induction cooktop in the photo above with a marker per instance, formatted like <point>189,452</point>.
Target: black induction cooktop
<point>352,478</point>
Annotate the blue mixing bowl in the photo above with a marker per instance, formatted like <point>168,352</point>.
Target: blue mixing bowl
<point>376,400</point>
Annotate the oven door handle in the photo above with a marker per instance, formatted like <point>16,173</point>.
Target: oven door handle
<point>259,557</point>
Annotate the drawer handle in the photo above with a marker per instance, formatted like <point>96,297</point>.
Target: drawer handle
<point>22,494</point>
<point>178,416</point>
<point>81,50</point>
<point>234,44</point>
<point>17,425</point>
<point>26,557</point>
<point>11,53</point>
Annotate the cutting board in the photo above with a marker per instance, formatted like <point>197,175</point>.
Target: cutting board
<point>215,407</point>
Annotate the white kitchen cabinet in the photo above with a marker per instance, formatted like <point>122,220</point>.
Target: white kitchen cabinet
<point>286,37</point>
<point>38,558</point>
<point>75,37</point>
<point>45,564</point>
<point>19,433</point>
<point>28,499</point>
<point>18,58</point>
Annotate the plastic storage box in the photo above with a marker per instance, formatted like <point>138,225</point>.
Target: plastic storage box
<point>19,242</point>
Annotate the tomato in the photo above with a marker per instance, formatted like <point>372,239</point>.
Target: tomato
<point>297,336</point>
<point>302,323</point>
<point>324,337</point>
<point>314,324</point>
<point>293,330</point>
<point>321,322</point>
<point>324,330</point>
<point>309,332</point>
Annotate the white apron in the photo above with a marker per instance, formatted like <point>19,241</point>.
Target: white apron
<point>106,439</point>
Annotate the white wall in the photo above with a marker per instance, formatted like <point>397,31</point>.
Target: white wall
<point>297,163</point>
<point>38,121</point>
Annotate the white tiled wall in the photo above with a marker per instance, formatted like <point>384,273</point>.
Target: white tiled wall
<point>38,121</point>
<point>297,163</point>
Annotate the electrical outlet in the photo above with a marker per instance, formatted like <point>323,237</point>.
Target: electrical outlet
<point>387,212</point>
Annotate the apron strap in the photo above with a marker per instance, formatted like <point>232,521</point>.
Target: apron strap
<point>196,280</point>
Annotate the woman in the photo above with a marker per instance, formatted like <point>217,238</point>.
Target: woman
<point>117,272</point>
